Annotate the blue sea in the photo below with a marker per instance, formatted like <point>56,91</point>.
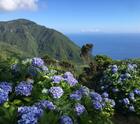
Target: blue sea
<point>117,46</point>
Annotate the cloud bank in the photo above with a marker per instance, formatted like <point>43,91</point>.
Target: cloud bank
<point>12,5</point>
<point>92,30</point>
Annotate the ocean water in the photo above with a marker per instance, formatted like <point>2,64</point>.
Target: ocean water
<point>117,46</point>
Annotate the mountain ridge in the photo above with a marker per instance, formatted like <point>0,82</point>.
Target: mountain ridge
<point>38,40</point>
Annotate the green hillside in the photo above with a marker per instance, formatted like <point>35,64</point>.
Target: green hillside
<point>26,38</point>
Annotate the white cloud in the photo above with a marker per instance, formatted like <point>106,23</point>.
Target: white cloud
<point>12,5</point>
<point>92,30</point>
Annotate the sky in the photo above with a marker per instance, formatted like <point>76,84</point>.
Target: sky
<point>76,16</point>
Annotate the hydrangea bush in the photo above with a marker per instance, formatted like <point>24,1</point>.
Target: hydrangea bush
<point>40,95</point>
<point>122,83</point>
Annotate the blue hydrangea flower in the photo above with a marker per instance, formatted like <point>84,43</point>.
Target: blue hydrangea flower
<point>79,109</point>
<point>132,96</point>
<point>45,104</point>
<point>114,68</point>
<point>23,88</point>
<point>66,120</point>
<point>122,77</point>
<point>56,92</point>
<point>67,74</point>
<point>7,87</point>
<point>105,95</point>
<point>57,78</point>
<point>131,108</point>
<point>38,62</point>
<point>3,96</point>
<point>95,96</point>
<point>97,105</point>
<point>137,92</point>
<point>29,115</point>
<point>69,78</point>
<point>71,81</point>
<point>130,67</point>
<point>112,103</point>
<point>126,101</point>
<point>76,95</point>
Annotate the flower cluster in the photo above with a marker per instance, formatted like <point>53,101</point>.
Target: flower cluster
<point>57,79</point>
<point>37,62</point>
<point>114,68</point>
<point>101,101</point>
<point>45,104</point>
<point>69,78</point>
<point>76,95</point>
<point>5,89</point>
<point>79,109</point>
<point>23,88</point>
<point>3,97</point>
<point>66,120</point>
<point>137,91</point>
<point>56,92</point>
<point>29,115</point>
<point>131,67</point>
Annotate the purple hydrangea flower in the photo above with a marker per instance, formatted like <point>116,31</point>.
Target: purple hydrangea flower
<point>112,103</point>
<point>6,87</point>
<point>68,74</point>
<point>97,105</point>
<point>56,92</point>
<point>137,92</point>
<point>114,68</point>
<point>95,96</point>
<point>57,79</point>
<point>126,101</point>
<point>71,81</point>
<point>130,67</point>
<point>79,109</point>
<point>122,77</point>
<point>45,104</point>
<point>69,78</point>
<point>38,62</point>
<point>29,115</point>
<point>3,96</point>
<point>76,95</point>
<point>23,88</point>
<point>66,120</point>
<point>132,96</point>
<point>105,95</point>
<point>131,108</point>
